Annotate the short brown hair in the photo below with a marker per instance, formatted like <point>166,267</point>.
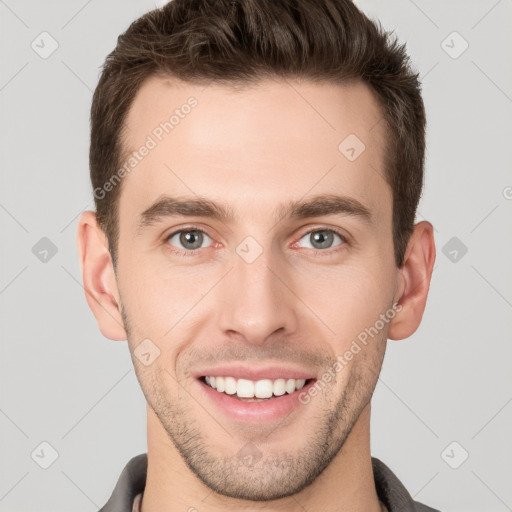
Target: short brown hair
<point>241,41</point>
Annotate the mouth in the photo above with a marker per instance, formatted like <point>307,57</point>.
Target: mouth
<point>255,402</point>
<point>255,391</point>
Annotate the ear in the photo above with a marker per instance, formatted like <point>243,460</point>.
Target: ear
<point>99,278</point>
<point>414,281</point>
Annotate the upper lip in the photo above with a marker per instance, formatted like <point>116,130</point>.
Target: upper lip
<point>253,373</point>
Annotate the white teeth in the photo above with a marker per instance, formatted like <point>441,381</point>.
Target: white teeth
<point>279,387</point>
<point>264,388</point>
<point>229,385</point>
<point>290,385</point>
<point>245,388</point>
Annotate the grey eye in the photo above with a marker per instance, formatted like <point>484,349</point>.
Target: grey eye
<point>189,239</point>
<point>321,238</point>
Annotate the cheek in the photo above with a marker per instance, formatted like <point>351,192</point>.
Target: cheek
<point>153,300</point>
<point>166,305</point>
<point>348,301</point>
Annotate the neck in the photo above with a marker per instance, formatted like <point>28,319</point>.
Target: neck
<point>346,484</point>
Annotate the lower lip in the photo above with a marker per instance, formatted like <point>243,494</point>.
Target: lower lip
<point>273,409</point>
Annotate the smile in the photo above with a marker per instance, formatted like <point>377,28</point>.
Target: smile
<point>248,389</point>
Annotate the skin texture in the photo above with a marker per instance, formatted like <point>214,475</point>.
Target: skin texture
<point>254,149</point>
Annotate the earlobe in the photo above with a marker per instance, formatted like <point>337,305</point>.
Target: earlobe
<point>98,277</point>
<point>414,281</point>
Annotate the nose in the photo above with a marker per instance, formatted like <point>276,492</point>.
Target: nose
<point>259,300</point>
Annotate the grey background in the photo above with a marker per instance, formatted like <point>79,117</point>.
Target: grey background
<point>65,384</point>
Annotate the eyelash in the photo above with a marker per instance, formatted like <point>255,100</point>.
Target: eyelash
<point>316,252</point>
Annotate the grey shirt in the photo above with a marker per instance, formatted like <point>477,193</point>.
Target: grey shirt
<point>132,481</point>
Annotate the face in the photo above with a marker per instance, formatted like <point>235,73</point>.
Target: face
<point>265,290</point>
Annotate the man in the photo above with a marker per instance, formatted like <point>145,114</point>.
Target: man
<point>256,168</point>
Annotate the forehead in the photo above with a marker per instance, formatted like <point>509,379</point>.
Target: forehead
<point>262,144</point>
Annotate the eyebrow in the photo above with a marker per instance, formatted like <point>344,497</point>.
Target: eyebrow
<point>319,205</point>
